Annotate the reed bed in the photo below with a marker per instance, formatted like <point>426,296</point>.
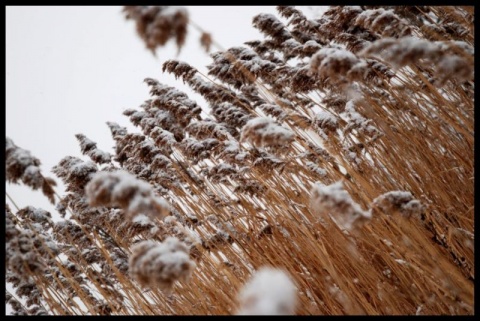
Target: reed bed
<point>330,173</point>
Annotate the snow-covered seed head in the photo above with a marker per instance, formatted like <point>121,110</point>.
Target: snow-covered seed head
<point>23,255</point>
<point>158,24</point>
<point>20,164</point>
<point>155,264</point>
<point>269,292</point>
<point>400,52</point>
<point>35,215</point>
<point>122,189</point>
<point>384,22</point>
<point>264,132</point>
<point>334,200</point>
<point>89,148</point>
<point>326,121</point>
<point>334,63</point>
<point>398,201</point>
<point>75,172</point>
<point>271,26</point>
<point>452,59</point>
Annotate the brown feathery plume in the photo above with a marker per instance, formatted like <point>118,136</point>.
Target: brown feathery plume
<point>21,257</point>
<point>334,63</point>
<point>67,231</point>
<point>398,201</point>
<point>75,172</point>
<point>206,41</point>
<point>31,254</point>
<point>210,129</point>
<point>230,115</point>
<point>263,132</point>
<point>453,59</point>
<point>384,22</point>
<point>21,165</point>
<point>164,140</point>
<point>158,24</point>
<point>326,122</point>
<point>303,29</point>
<point>230,150</point>
<point>160,265</point>
<point>156,117</point>
<point>33,215</point>
<point>335,202</point>
<point>179,69</point>
<point>239,66</point>
<point>196,149</point>
<point>171,99</point>
<point>122,189</point>
<point>356,121</point>
<point>212,92</point>
<point>271,26</point>
<point>89,148</point>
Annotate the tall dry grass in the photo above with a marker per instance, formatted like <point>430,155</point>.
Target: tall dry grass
<point>337,150</point>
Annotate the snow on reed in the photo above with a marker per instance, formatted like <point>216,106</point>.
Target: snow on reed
<point>21,165</point>
<point>264,132</point>
<point>122,189</point>
<point>89,148</point>
<point>334,200</point>
<point>398,201</point>
<point>155,264</point>
<point>270,291</point>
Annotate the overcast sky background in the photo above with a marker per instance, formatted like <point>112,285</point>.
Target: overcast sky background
<point>70,70</point>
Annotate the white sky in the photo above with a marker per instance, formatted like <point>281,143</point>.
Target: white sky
<point>71,69</point>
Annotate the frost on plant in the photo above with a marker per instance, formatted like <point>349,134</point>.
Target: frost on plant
<point>332,61</point>
<point>384,22</point>
<point>269,292</point>
<point>398,201</point>
<point>155,264</point>
<point>334,200</point>
<point>379,96</point>
<point>75,172</point>
<point>21,165</point>
<point>89,148</point>
<point>122,189</point>
<point>453,59</point>
<point>264,132</point>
